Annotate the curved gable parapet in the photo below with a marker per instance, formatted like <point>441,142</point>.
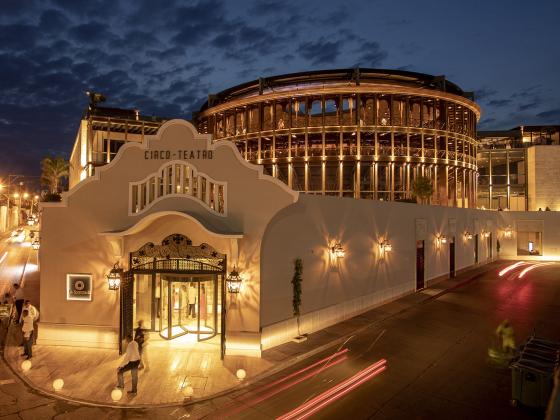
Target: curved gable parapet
<point>188,149</point>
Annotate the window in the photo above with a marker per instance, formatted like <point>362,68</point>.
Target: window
<point>110,148</point>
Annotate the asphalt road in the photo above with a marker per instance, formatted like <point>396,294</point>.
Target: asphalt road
<point>436,351</point>
<point>13,257</point>
<point>436,364</point>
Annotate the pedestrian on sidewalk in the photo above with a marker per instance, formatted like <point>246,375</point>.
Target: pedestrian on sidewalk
<point>130,361</point>
<point>34,313</point>
<point>141,338</point>
<point>27,330</point>
<point>18,299</point>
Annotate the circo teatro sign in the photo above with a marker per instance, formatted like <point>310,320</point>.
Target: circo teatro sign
<point>177,154</point>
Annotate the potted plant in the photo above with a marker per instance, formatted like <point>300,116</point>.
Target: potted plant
<point>296,297</point>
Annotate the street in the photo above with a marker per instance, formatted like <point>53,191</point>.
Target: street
<point>434,342</point>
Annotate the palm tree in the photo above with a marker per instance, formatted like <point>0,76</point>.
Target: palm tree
<point>53,170</point>
<point>422,188</point>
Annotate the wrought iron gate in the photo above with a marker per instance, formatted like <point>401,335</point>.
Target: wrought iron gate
<point>126,312</point>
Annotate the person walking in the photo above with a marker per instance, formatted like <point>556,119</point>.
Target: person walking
<point>18,299</point>
<point>141,338</point>
<point>506,336</point>
<point>130,361</point>
<point>192,295</point>
<point>34,313</point>
<point>27,330</point>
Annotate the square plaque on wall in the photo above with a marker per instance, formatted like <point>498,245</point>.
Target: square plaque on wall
<point>78,286</point>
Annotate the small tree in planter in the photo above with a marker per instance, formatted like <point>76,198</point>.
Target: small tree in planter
<point>296,296</point>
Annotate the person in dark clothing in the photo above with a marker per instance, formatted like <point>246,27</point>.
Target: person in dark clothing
<point>18,300</point>
<point>139,335</point>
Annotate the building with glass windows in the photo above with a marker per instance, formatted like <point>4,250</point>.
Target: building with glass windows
<point>518,168</point>
<point>358,133</point>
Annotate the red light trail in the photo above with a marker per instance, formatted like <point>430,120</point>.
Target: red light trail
<point>338,391</point>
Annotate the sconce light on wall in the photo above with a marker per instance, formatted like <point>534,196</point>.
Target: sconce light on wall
<point>440,240</point>
<point>508,232</point>
<point>114,277</point>
<point>467,235</point>
<point>233,281</point>
<point>384,247</point>
<point>337,251</point>
<point>485,234</point>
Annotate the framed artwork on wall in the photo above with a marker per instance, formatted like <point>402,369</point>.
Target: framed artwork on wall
<point>79,286</point>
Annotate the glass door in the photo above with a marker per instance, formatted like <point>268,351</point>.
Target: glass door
<point>164,319</point>
<point>188,305</point>
<point>207,312</point>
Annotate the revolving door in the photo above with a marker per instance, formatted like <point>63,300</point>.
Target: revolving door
<point>188,305</point>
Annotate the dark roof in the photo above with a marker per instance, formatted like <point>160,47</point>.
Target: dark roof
<point>353,75</point>
<point>516,133</point>
<point>119,113</point>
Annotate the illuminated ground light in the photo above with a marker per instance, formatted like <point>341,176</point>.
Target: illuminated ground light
<point>510,267</point>
<point>531,267</point>
<point>322,400</point>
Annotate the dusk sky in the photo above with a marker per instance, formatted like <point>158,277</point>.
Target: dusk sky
<point>165,57</point>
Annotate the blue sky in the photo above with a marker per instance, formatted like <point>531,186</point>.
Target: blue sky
<point>164,57</point>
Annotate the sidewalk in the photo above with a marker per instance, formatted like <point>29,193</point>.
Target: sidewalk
<point>90,374</point>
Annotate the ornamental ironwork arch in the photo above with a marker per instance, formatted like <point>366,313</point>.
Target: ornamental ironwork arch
<point>178,254</point>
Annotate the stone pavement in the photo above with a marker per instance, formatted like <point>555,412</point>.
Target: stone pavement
<point>90,374</point>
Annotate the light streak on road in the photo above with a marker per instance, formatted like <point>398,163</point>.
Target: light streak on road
<point>284,383</point>
<point>511,267</point>
<point>322,400</point>
<point>532,267</point>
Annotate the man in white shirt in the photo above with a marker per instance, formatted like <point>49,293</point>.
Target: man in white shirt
<point>33,313</point>
<point>192,295</point>
<point>130,361</point>
<point>27,330</point>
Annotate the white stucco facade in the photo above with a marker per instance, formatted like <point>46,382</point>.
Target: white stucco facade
<point>152,190</point>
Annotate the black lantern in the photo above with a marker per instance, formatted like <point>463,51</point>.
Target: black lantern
<point>114,277</point>
<point>233,281</point>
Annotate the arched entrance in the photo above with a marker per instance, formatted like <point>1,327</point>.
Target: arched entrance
<point>177,289</point>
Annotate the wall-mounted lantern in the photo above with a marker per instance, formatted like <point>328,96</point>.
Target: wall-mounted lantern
<point>114,277</point>
<point>440,240</point>
<point>337,251</point>
<point>467,235</point>
<point>384,247</point>
<point>233,281</point>
<point>508,232</point>
<point>485,234</point>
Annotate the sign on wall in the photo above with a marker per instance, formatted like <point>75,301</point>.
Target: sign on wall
<point>78,286</point>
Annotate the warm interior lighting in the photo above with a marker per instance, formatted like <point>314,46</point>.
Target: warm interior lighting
<point>233,281</point>
<point>468,236</point>
<point>508,232</point>
<point>114,277</point>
